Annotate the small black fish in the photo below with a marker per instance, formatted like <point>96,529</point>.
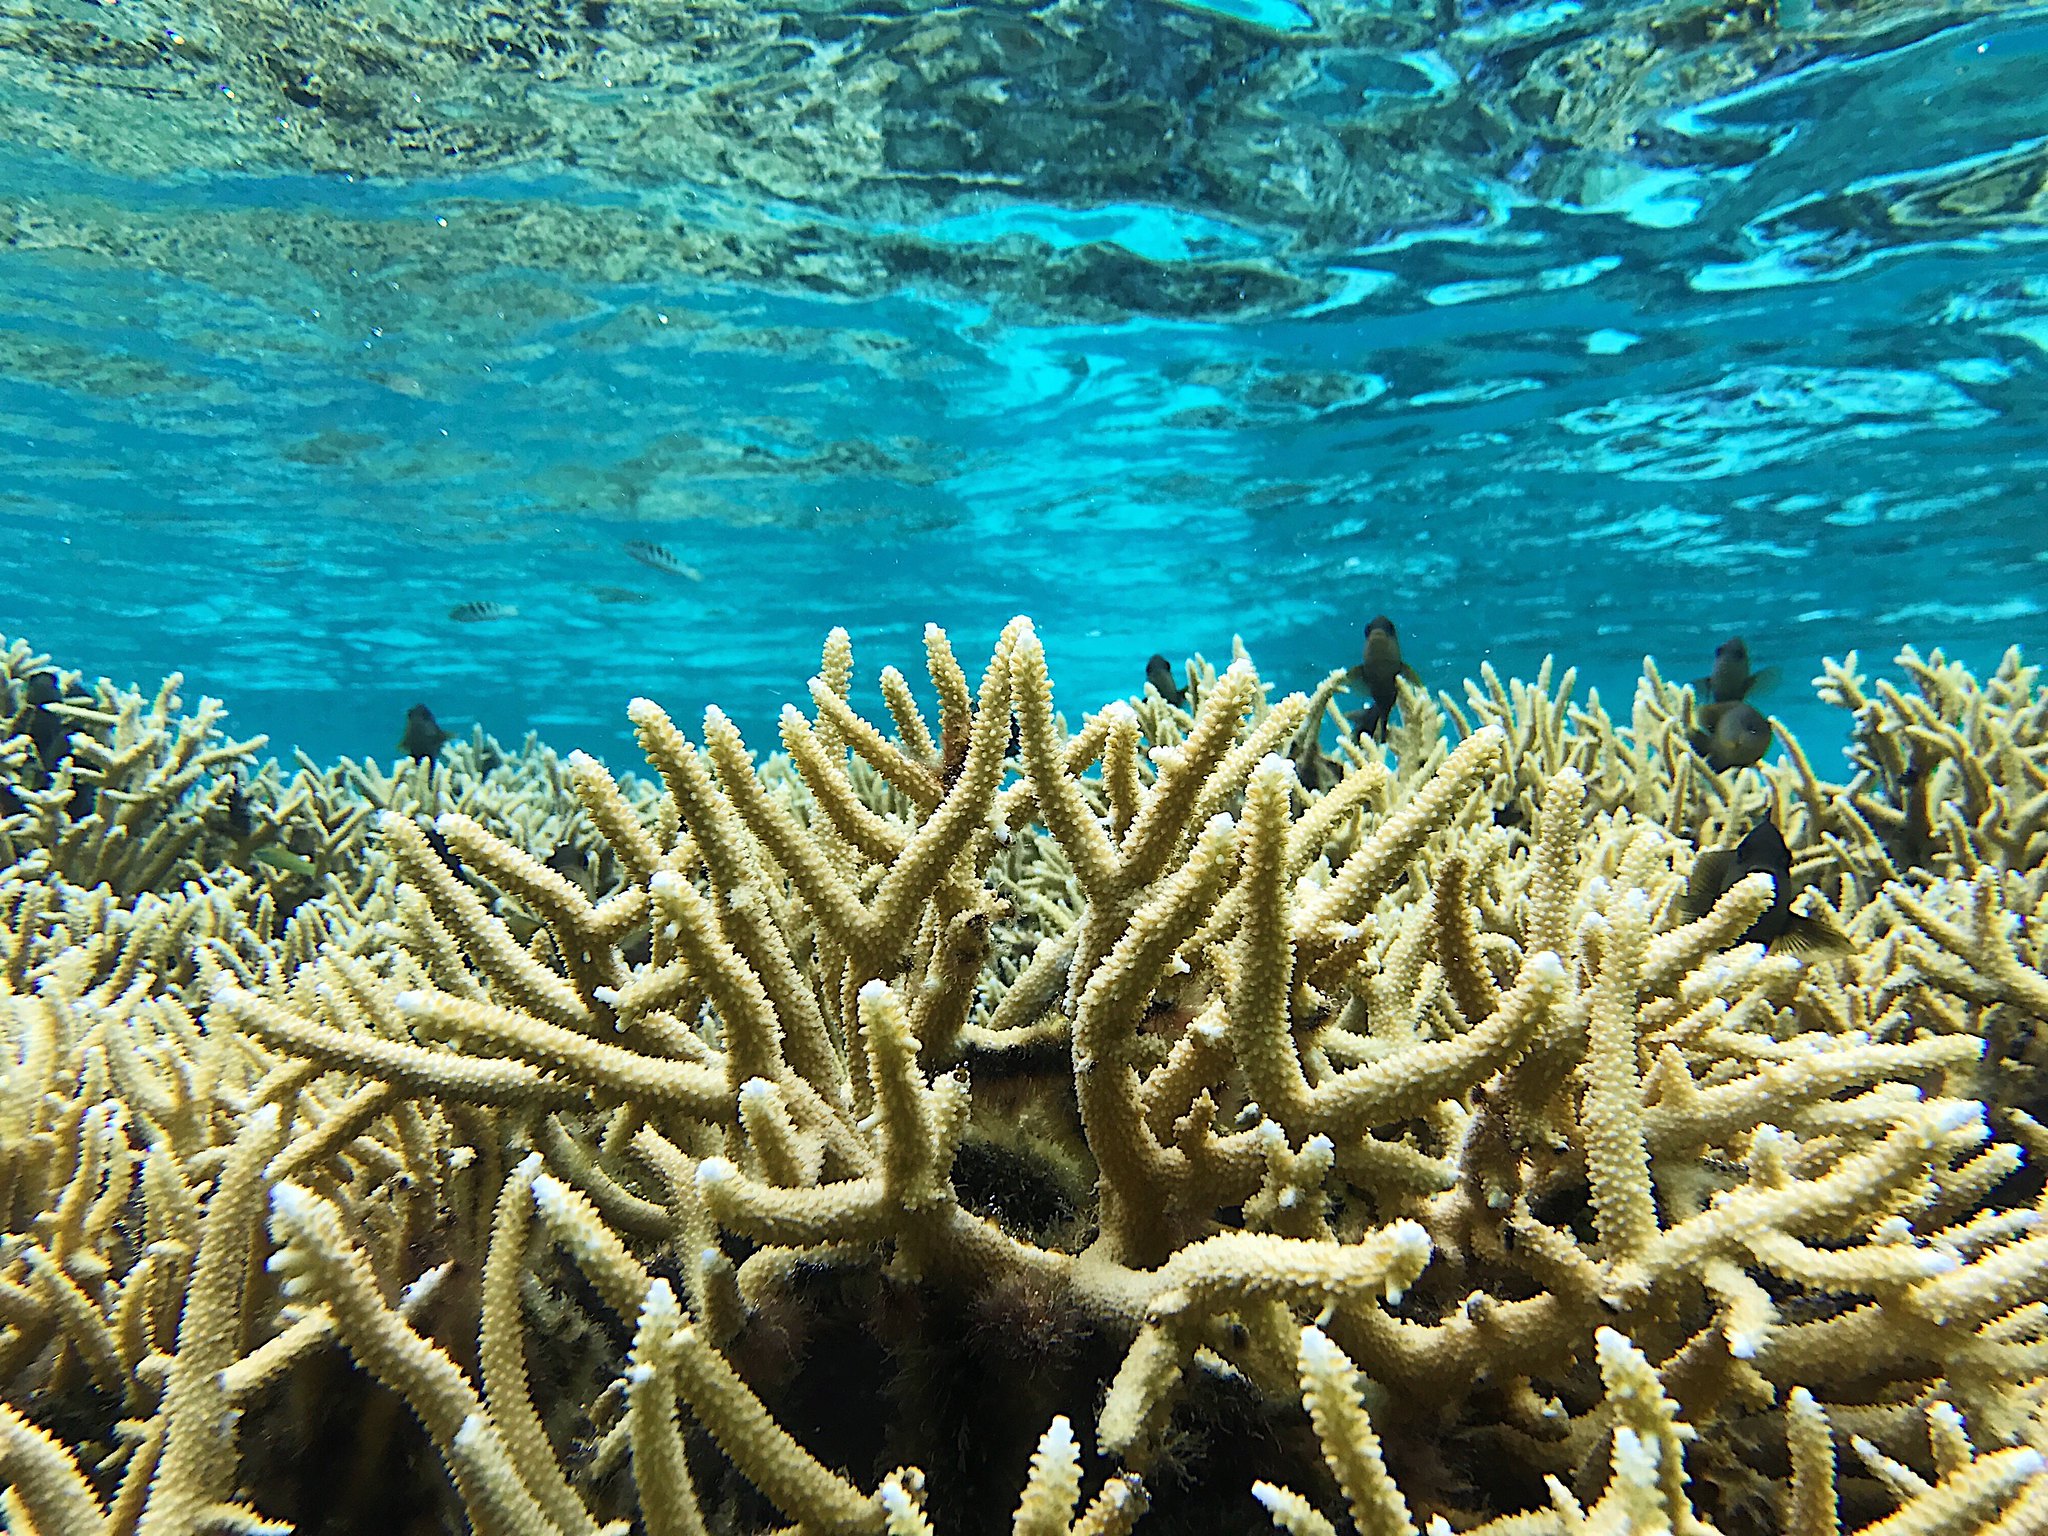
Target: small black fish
<point>482,612</point>
<point>1731,678</point>
<point>1380,674</point>
<point>1716,871</point>
<point>657,558</point>
<point>1159,673</point>
<point>1732,735</point>
<point>48,730</point>
<point>441,849</point>
<point>423,736</point>
<point>235,809</point>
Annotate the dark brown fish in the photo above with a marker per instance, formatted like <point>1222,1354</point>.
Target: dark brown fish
<point>1380,674</point>
<point>235,810</point>
<point>1731,678</point>
<point>1732,735</point>
<point>440,846</point>
<point>46,728</point>
<point>1159,673</point>
<point>423,736</point>
<point>1717,871</point>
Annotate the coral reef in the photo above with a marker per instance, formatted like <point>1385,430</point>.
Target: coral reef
<point>973,1123</point>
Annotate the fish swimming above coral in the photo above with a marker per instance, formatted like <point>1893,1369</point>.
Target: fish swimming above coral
<point>1159,673</point>
<point>1380,675</point>
<point>1734,734</point>
<point>1716,871</point>
<point>423,737</point>
<point>1731,678</point>
<point>656,557</point>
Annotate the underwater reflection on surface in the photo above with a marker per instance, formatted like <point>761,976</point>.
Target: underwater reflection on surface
<point>1397,318</point>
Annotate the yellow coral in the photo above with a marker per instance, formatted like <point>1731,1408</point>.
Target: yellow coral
<point>1547,1204</point>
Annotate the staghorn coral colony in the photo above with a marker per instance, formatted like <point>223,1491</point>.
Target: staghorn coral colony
<point>974,1124</point>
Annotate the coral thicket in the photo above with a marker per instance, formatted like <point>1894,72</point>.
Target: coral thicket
<point>977,1122</point>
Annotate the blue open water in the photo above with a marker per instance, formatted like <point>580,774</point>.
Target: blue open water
<point>1768,359</point>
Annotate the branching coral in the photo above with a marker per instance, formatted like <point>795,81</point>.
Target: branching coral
<point>928,1112</point>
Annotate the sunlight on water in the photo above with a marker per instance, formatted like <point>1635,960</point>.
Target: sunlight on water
<point>343,369</point>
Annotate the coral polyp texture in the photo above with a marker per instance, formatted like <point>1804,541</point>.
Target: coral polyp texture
<point>973,1123</point>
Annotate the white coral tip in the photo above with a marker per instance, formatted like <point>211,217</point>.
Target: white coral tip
<point>665,882</point>
<point>1953,1117</point>
<point>757,1090</point>
<point>643,711</point>
<point>581,761</point>
<point>291,1205</point>
<point>715,1171</point>
<point>1318,1354</point>
<point>1222,824</point>
<point>421,1291</point>
<point>933,632</point>
<point>551,1197</point>
<point>874,991</point>
<point>1274,1499</point>
<point>2027,1461</point>
<point>412,1002</point>
<point>606,995</point>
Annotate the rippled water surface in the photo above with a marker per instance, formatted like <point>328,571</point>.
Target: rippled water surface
<point>1588,328</point>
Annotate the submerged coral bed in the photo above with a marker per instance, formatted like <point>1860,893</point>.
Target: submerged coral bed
<point>1169,1118</point>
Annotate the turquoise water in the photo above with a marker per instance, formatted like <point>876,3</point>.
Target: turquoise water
<point>1595,330</point>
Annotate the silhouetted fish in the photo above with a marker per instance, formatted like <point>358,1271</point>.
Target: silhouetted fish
<point>49,730</point>
<point>1380,674</point>
<point>660,559</point>
<point>481,612</point>
<point>1732,735</point>
<point>440,846</point>
<point>1731,678</point>
<point>235,810</point>
<point>423,737</point>
<point>1716,871</point>
<point>1159,673</point>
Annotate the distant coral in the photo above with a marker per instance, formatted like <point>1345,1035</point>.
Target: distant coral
<point>1167,1113</point>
